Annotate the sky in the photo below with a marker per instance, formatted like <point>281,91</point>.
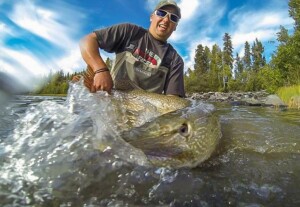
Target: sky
<point>38,36</point>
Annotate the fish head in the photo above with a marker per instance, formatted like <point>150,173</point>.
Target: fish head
<point>182,138</point>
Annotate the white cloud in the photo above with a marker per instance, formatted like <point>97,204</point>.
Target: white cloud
<point>263,25</point>
<point>189,8</point>
<point>241,38</point>
<point>197,19</point>
<point>72,61</point>
<point>55,26</point>
<point>252,20</point>
<point>25,59</point>
<point>23,65</point>
<point>5,31</point>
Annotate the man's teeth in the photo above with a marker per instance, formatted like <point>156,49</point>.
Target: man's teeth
<point>163,26</point>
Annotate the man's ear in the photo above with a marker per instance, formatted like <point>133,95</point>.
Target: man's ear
<point>151,17</point>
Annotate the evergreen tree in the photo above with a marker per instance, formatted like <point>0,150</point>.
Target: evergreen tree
<point>227,51</point>
<point>257,55</point>
<point>247,56</point>
<point>227,60</point>
<point>206,59</point>
<point>239,67</point>
<point>220,67</point>
<point>199,65</point>
<point>215,68</point>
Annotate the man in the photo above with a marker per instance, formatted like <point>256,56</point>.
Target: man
<point>144,59</point>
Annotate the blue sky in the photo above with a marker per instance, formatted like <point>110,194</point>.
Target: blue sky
<point>37,36</point>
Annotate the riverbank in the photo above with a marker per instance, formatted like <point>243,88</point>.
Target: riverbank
<point>59,94</point>
<point>259,98</point>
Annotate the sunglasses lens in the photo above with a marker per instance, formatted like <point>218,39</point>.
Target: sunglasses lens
<point>161,13</point>
<point>174,18</point>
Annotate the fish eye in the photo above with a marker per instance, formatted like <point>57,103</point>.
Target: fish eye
<point>184,129</point>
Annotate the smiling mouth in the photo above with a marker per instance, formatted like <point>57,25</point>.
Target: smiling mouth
<point>162,26</point>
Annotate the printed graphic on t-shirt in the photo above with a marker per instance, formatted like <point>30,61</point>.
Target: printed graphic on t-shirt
<point>148,57</point>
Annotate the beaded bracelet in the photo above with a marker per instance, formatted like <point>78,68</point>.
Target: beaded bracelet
<point>101,70</point>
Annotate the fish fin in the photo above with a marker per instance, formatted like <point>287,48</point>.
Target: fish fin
<point>88,78</point>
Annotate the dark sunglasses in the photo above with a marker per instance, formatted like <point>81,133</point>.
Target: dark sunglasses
<point>162,13</point>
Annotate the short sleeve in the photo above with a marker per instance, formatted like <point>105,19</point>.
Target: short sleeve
<point>116,37</point>
<point>175,81</point>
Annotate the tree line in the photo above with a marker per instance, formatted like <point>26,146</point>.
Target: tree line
<point>218,69</point>
<point>54,83</point>
<point>58,82</point>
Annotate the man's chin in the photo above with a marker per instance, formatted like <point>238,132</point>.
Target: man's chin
<point>162,35</point>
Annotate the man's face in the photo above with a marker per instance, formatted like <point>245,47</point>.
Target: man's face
<point>161,28</point>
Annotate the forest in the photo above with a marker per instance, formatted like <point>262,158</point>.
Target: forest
<point>218,69</point>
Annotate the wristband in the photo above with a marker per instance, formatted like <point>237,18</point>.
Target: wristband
<point>101,70</point>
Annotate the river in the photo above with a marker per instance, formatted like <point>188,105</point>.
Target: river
<point>48,159</point>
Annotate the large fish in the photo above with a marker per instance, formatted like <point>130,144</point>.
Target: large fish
<point>184,134</point>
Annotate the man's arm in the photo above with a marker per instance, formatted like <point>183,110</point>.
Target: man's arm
<point>90,53</point>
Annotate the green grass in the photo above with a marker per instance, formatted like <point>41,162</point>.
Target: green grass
<point>286,93</point>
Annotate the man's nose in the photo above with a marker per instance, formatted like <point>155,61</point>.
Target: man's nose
<point>167,18</point>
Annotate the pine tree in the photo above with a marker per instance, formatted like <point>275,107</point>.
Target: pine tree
<point>227,51</point>
<point>215,68</point>
<point>206,59</point>
<point>227,60</point>
<point>199,65</point>
<point>239,67</point>
<point>257,55</point>
<point>247,56</point>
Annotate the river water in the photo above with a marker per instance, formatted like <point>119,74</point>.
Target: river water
<point>48,158</point>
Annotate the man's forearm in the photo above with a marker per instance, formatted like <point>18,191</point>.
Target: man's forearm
<point>90,52</point>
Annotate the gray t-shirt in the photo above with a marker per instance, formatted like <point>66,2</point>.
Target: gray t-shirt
<point>137,40</point>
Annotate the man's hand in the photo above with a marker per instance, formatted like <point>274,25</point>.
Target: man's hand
<point>103,82</point>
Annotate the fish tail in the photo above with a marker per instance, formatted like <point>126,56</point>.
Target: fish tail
<point>88,77</point>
